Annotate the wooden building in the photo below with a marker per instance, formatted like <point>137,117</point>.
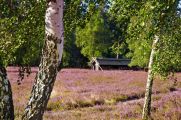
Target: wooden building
<point>109,63</point>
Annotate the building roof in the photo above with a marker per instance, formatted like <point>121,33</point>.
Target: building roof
<point>112,61</point>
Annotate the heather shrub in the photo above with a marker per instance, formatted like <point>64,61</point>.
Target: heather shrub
<point>121,98</point>
<point>102,95</point>
<point>84,103</point>
<point>54,106</point>
<point>98,101</point>
<point>168,107</point>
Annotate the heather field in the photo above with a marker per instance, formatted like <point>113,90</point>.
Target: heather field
<point>81,94</point>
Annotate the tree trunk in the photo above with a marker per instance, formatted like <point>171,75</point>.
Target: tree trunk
<point>117,56</point>
<point>147,102</point>
<point>6,101</point>
<point>51,57</point>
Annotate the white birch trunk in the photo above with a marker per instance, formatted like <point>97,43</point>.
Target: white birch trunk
<point>51,57</point>
<point>147,102</point>
<point>54,13</point>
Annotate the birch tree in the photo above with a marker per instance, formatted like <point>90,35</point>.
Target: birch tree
<point>12,43</point>
<point>51,57</point>
<point>6,101</point>
<point>147,102</point>
<point>153,19</point>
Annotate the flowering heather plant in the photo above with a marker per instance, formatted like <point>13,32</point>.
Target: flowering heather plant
<point>168,107</point>
<point>81,94</point>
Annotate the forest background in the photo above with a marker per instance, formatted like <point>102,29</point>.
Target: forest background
<point>93,28</point>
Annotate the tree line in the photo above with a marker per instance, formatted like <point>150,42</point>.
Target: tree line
<point>93,28</point>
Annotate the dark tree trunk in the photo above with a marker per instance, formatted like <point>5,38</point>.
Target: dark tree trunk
<point>51,57</point>
<point>6,101</point>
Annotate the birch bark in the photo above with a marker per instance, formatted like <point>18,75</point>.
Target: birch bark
<point>6,101</point>
<point>51,57</point>
<point>147,102</point>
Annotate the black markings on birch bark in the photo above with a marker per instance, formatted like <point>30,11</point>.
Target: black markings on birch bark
<point>49,63</point>
<point>44,82</point>
<point>48,1</point>
<point>53,38</point>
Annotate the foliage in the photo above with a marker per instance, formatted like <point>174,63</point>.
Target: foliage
<point>77,14</point>
<point>21,28</point>
<point>168,57</point>
<point>7,45</point>
<point>118,48</point>
<point>120,27</point>
<point>94,38</point>
<point>119,18</point>
<point>72,17</point>
<point>156,18</point>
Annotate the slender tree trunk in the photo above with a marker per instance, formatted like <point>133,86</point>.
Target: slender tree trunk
<point>51,57</point>
<point>6,101</point>
<point>147,102</point>
<point>117,56</point>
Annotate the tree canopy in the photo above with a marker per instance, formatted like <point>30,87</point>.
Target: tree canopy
<point>161,19</point>
<point>22,32</point>
<point>94,39</point>
<point>94,28</point>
